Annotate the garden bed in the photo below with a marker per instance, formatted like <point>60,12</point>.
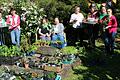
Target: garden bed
<point>8,60</point>
<point>47,50</point>
<point>57,69</point>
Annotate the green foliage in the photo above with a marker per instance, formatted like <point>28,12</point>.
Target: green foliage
<point>69,50</point>
<point>26,46</point>
<point>118,4</point>
<point>10,51</point>
<point>38,8</point>
<point>32,48</point>
<point>24,43</point>
<point>81,50</point>
<point>24,7</point>
<point>61,8</point>
<point>50,75</point>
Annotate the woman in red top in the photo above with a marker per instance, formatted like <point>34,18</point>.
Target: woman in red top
<point>14,21</point>
<point>110,33</point>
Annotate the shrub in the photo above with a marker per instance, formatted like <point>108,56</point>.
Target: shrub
<point>69,50</point>
<point>10,51</point>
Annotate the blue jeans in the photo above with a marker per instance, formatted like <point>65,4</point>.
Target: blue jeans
<point>109,40</point>
<point>15,37</point>
<point>58,37</point>
<point>1,40</point>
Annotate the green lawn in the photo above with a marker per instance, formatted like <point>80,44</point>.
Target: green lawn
<point>96,65</point>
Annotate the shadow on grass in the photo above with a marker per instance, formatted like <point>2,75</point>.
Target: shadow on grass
<point>99,66</point>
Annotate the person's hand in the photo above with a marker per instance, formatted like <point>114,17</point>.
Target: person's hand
<point>43,35</point>
<point>14,26</point>
<point>74,21</point>
<point>100,21</point>
<point>107,27</point>
<point>47,34</point>
<point>85,20</point>
<point>96,20</point>
<point>10,28</point>
<point>53,32</point>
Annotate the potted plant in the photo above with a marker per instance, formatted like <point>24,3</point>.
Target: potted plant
<point>31,50</point>
<point>48,43</point>
<point>42,43</point>
<point>26,48</point>
<point>25,61</point>
<point>49,75</point>
<point>37,43</point>
<point>69,50</point>
<point>26,64</point>
<point>57,44</point>
<point>68,54</point>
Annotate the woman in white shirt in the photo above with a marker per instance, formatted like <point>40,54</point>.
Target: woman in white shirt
<point>76,19</point>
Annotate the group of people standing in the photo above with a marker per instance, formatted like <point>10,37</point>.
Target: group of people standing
<point>105,18</point>
<point>46,31</point>
<point>107,26</point>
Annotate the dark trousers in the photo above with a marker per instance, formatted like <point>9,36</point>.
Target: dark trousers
<point>93,34</point>
<point>109,41</point>
<point>78,35</point>
<point>2,37</point>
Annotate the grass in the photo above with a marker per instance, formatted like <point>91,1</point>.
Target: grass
<point>96,65</point>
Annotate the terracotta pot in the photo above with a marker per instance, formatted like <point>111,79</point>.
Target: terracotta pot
<point>26,65</point>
